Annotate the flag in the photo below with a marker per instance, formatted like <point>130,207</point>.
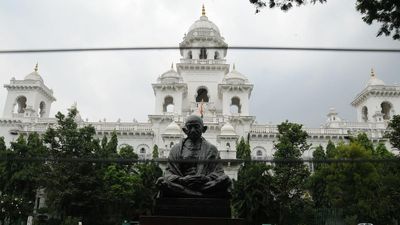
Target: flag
<point>201,108</point>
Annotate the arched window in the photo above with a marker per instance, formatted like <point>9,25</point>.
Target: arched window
<point>386,108</point>
<point>168,105</point>
<point>216,55</point>
<point>365,113</point>
<point>228,146</point>
<point>258,152</point>
<point>171,144</point>
<point>143,149</point>
<point>20,105</point>
<point>203,53</point>
<point>42,109</point>
<point>189,55</point>
<point>235,105</point>
<point>202,95</point>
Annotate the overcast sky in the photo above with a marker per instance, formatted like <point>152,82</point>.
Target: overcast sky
<point>294,85</point>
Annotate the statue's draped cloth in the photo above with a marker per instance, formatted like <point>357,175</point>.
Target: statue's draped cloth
<point>217,183</point>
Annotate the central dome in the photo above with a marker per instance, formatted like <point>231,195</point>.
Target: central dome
<point>203,27</point>
<point>203,24</point>
<point>202,36</point>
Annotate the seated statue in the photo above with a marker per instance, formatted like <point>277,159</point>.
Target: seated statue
<point>192,178</point>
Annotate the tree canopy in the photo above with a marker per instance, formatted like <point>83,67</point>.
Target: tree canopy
<point>384,12</point>
<point>97,193</point>
<point>274,193</point>
<point>362,190</point>
<point>394,131</point>
<point>243,150</point>
<point>19,181</point>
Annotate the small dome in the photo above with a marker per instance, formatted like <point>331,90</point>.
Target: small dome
<point>227,129</point>
<point>235,77</point>
<point>374,81</point>
<point>172,128</point>
<point>171,76</point>
<point>332,111</point>
<point>34,75</point>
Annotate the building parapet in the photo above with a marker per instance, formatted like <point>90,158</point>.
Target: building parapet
<point>30,84</point>
<point>359,125</point>
<point>377,90</point>
<point>203,61</point>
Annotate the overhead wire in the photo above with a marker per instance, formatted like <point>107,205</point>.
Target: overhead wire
<point>157,48</point>
<point>165,160</point>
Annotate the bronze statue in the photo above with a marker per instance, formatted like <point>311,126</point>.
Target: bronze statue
<point>194,179</point>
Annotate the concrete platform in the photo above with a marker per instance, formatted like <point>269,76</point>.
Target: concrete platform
<point>193,207</point>
<point>170,220</point>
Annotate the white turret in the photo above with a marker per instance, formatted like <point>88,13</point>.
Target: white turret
<point>235,91</point>
<point>169,91</point>
<point>377,97</point>
<point>28,98</point>
<point>227,141</point>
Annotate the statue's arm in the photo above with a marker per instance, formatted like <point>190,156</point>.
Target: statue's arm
<point>172,172</point>
<point>216,169</point>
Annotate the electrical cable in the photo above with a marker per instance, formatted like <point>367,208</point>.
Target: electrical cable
<point>153,48</point>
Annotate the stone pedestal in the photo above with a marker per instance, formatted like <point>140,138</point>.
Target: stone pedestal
<point>193,207</point>
<point>159,220</point>
<point>191,211</point>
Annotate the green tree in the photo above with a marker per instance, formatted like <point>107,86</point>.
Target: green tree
<point>253,194</point>
<point>104,142</point>
<point>382,152</point>
<point>290,177</point>
<point>121,187</point>
<point>352,186</point>
<point>394,131</point>
<point>73,188</point>
<point>385,12</point>
<point>96,193</point>
<point>365,191</point>
<point>364,141</point>
<point>112,145</point>
<point>131,191</point>
<point>126,152</point>
<point>243,150</point>
<point>319,154</point>
<point>19,180</point>
<point>330,150</point>
<point>155,152</point>
<point>317,184</point>
<point>149,173</point>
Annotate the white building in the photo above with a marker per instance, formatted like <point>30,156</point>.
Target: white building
<point>202,81</point>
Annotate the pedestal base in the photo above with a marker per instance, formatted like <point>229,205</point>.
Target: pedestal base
<point>193,207</point>
<point>158,220</point>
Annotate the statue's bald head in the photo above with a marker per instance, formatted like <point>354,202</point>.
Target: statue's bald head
<point>194,127</point>
<point>194,119</point>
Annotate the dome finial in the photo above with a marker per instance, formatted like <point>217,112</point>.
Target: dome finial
<point>203,11</point>
<point>372,72</point>
<point>36,67</point>
<point>172,65</point>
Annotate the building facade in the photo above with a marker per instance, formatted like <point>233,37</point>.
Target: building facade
<point>201,83</point>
